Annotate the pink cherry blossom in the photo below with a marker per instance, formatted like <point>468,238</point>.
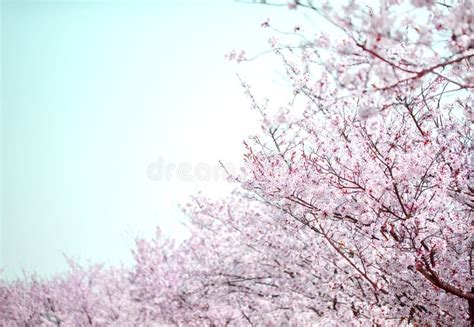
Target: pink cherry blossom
<point>353,205</point>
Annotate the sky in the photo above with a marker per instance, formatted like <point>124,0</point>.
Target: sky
<point>113,114</point>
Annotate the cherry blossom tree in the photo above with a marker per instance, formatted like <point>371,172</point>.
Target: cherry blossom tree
<point>353,206</point>
<point>376,161</point>
<point>84,296</point>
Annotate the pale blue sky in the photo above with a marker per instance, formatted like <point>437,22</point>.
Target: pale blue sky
<point>92,94</point>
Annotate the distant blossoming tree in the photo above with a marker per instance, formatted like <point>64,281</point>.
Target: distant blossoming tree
<point>354,204</point>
